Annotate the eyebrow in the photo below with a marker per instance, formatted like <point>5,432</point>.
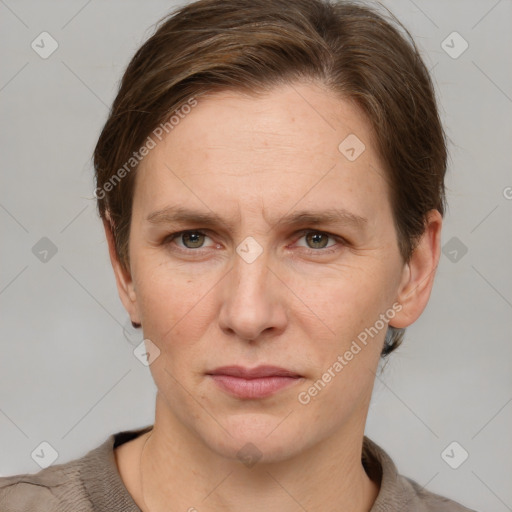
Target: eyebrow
<point>329,216</point>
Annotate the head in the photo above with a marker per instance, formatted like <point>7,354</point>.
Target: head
<point>233,123</point>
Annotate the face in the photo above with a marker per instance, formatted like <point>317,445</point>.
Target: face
<point>257,240</point>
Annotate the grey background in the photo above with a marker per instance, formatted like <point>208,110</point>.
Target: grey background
<point>68,375</point>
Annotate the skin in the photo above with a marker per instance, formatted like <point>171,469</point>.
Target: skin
<point>252,160</point>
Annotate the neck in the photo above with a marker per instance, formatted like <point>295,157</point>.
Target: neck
<point>178,469</point>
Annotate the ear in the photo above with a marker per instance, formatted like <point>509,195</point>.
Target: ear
<point>124,280</point>
<point>419,273</point>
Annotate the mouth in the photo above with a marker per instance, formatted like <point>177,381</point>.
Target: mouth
<point>253,383</point>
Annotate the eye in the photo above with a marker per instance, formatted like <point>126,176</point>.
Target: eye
<point>189,239</point>
<point>317,241</point>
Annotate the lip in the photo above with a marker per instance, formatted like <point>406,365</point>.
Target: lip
<point>253,383</point>
<point>254,373</point>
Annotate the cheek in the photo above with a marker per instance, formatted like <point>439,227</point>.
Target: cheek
<point>346,299</point>
<point>345,354</point>
<point>173,306</point>
<point>346,324</point>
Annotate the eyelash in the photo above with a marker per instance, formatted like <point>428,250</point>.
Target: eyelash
<point>170,238</point>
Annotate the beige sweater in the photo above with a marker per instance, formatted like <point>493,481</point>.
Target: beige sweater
<point>92,484</point>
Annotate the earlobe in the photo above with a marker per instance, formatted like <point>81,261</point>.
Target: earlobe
<point>419,272</point>
<point>124,282</point>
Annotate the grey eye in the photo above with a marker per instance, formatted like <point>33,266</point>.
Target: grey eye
<point>193,239</point>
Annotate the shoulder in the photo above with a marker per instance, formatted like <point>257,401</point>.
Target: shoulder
<point>57,488</point>
<point>87,484</point>
<point>398,492</point>
<point>422,500</point>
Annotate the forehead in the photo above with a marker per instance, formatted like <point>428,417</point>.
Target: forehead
<point>299,142</point>
<point>293,120</point>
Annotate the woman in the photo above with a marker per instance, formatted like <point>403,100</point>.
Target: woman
<point>271,184</point>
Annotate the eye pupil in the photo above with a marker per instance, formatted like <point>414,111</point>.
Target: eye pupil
<point>315,238</point>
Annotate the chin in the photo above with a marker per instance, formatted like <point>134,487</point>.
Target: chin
<point>257,438</point>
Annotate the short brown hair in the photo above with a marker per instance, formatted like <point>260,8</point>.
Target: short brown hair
<point>254,45</point>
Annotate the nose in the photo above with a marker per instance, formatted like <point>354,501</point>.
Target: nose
<point>253,300</point>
